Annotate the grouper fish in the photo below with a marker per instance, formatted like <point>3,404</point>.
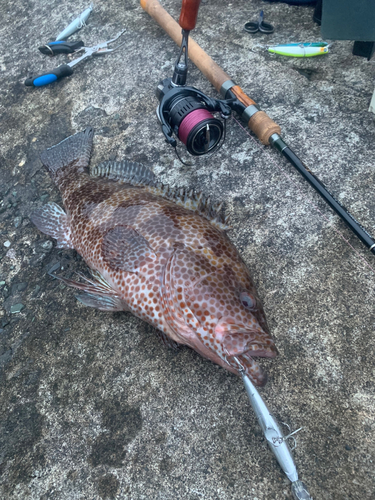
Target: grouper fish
<point>158,252</point>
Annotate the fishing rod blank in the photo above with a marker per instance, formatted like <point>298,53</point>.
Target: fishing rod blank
<point>267,131</point>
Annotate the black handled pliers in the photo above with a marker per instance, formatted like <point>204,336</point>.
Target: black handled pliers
<point>67,69</point>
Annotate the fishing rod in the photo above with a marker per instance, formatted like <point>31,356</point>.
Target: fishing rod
<point>189,114</point>
<point>201,137</point>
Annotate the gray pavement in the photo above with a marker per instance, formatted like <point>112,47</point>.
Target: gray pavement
<point>92,406</point>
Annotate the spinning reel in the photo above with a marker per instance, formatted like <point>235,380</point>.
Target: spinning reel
<point>186,112</point>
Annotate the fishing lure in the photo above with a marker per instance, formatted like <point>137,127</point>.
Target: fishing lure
<point>75,25</point>
<point>275,438</point>
<point>300,49</point>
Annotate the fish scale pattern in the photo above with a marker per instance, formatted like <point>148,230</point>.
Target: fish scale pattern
<point>161,258</point>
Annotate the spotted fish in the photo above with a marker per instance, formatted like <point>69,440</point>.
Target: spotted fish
<point>158,252</point>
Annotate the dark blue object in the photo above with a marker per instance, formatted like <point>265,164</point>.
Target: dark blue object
<point>294,2</point>
<point>363,49</point>
<point>348,20</point>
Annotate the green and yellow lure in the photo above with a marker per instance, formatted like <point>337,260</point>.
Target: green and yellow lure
<point>300,49</point>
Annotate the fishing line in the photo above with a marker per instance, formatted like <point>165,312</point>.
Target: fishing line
<point>206,157</point>
<point>305,198</point>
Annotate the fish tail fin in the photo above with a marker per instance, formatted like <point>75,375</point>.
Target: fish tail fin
<point>71,153</point>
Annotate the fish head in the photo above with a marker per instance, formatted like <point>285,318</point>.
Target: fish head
<point>230,322</point>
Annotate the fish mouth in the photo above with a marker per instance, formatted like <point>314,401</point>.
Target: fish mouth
<point>241,343</point>
<point>251,367</point>
<point>244,346</point>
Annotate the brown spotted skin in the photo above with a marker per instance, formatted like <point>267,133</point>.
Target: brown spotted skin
<point>179,272</point>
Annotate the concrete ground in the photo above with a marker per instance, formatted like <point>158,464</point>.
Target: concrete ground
<point>92,405</point>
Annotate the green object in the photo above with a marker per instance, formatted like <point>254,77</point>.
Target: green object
<point>300,49</point>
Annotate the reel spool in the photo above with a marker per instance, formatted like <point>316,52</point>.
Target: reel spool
<point>188,113</point>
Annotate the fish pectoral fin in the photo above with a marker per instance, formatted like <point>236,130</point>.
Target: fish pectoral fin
<point>52,220</point>
<point>103,302</point>
<point>124,248</point>
<point>98,292</point>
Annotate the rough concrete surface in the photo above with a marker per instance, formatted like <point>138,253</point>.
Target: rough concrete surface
<point>92,405</point>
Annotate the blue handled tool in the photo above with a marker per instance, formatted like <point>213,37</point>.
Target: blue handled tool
<point>55,48</point>
<point>67,69</point>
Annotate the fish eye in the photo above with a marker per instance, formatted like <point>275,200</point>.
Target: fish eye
<point>247,300</point>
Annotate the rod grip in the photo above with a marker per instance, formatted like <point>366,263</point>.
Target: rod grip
<point>189,14</point>
<point>260,123</point>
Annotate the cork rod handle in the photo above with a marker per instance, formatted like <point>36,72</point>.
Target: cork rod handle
<point>259,123</point>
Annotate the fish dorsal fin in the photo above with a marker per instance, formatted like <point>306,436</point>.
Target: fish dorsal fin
<point>193,200</point>
<point>137,174</point>
<point>129,172</point>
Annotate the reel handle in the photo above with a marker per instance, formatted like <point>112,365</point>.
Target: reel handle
<point>198,56</point>
<point>189,14</point>
<point>260,123</point>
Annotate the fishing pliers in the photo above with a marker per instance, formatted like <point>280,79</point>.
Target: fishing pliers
<point>67,69</point>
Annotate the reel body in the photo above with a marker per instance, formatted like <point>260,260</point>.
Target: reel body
<point>187,113</point>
